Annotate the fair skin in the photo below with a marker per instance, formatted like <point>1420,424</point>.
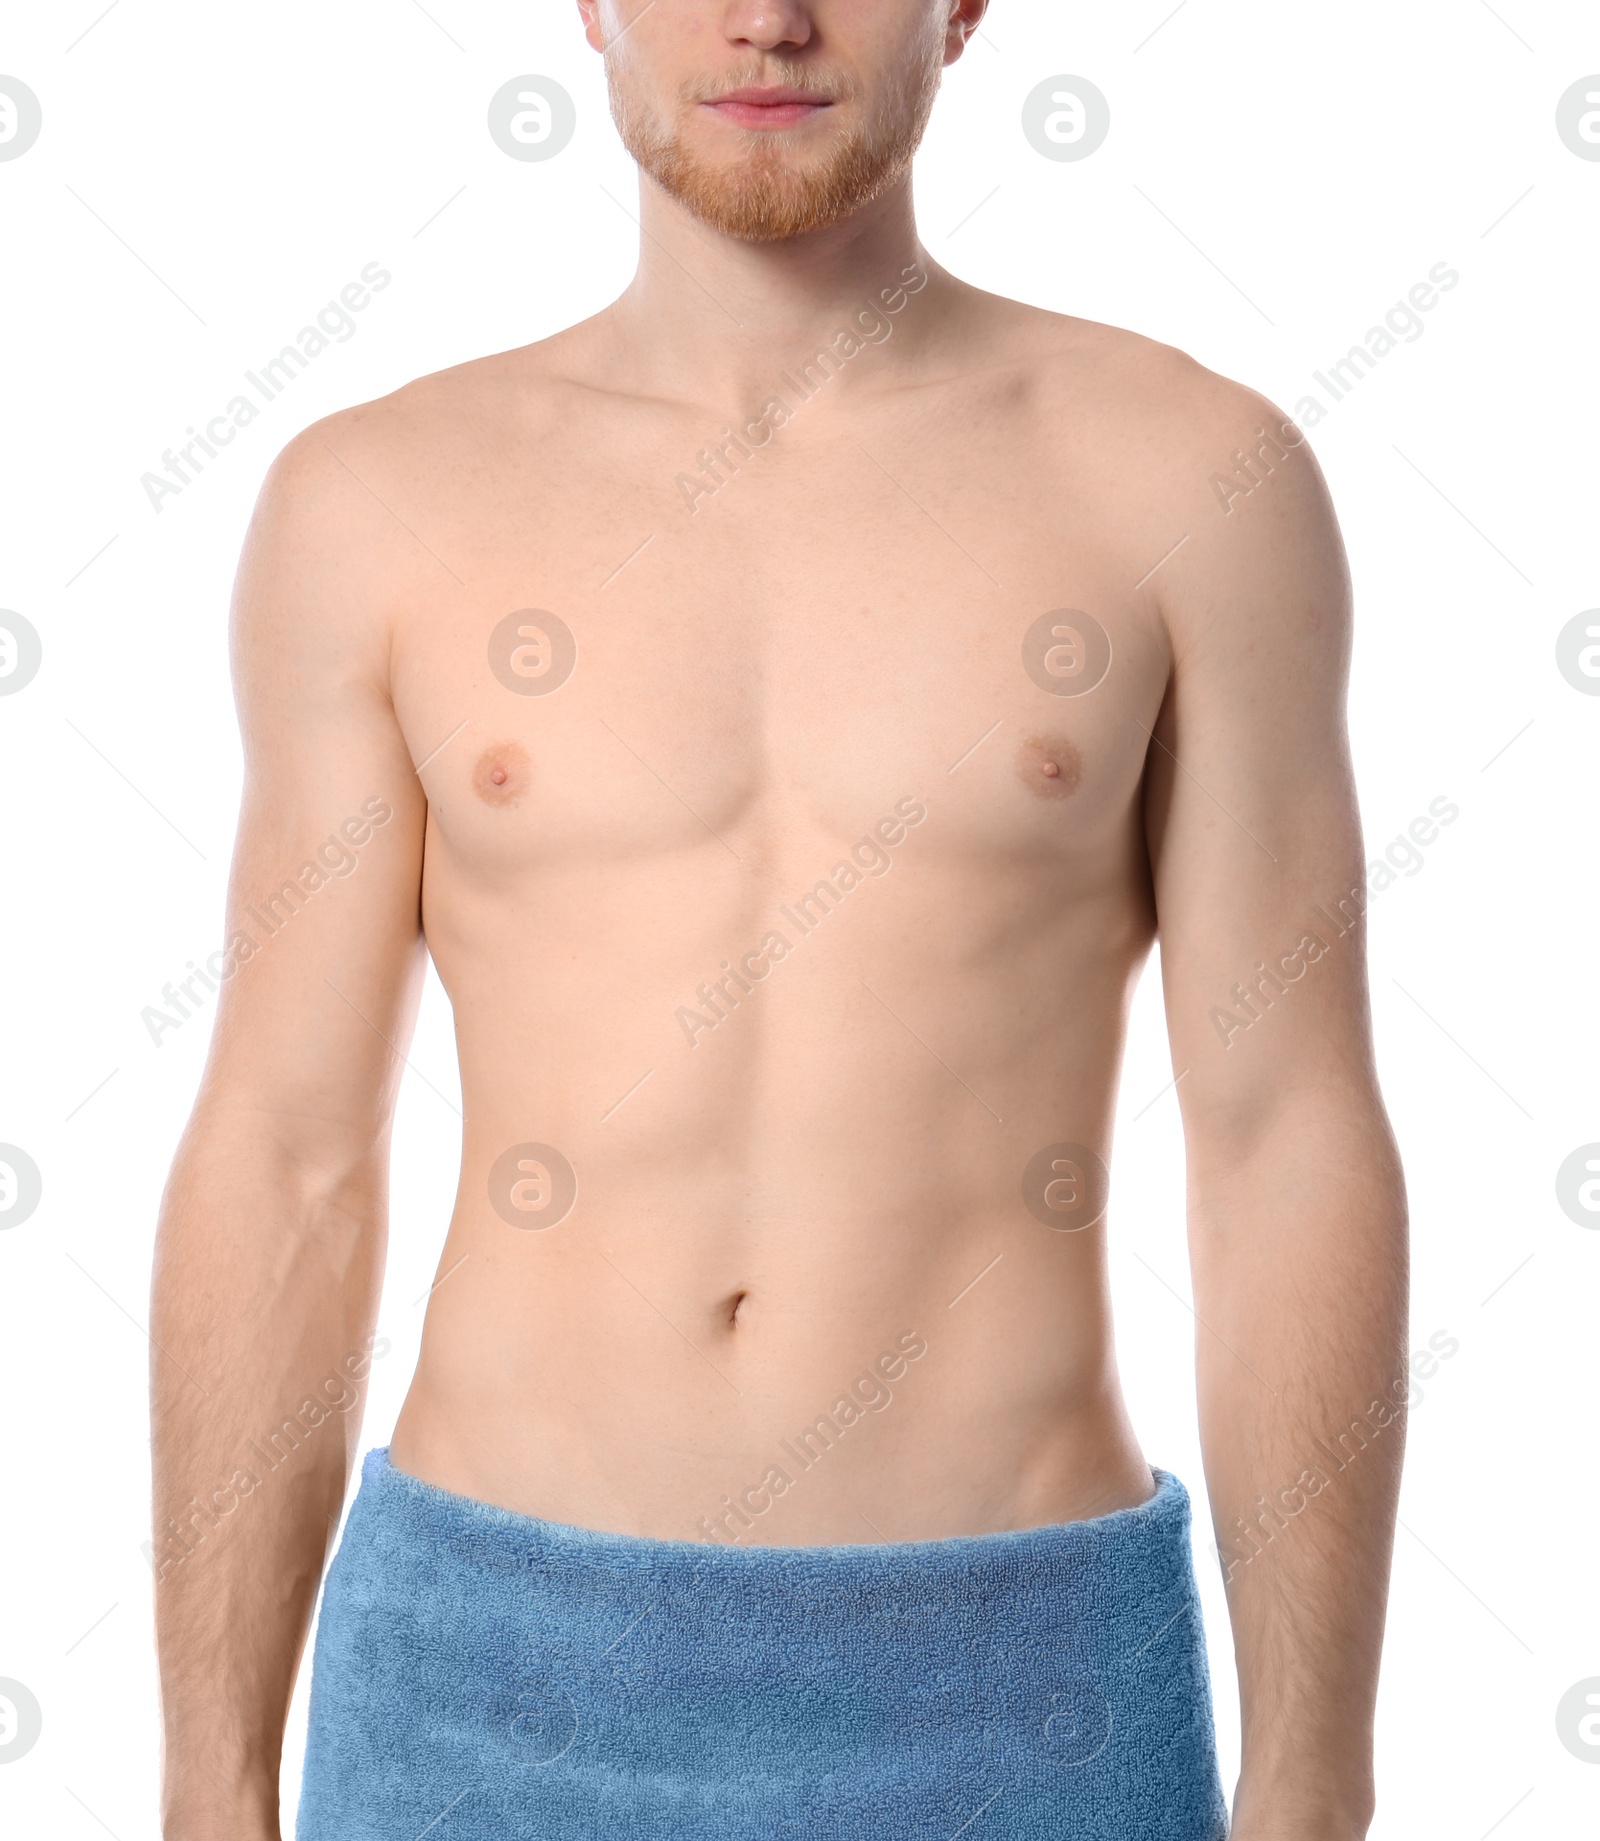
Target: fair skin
<point>769,1199</point>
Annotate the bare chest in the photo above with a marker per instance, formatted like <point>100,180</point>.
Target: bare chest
<point>625,667</point>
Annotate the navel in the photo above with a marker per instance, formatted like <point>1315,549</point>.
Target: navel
<point>501,774</point>
<point>1050,766</point>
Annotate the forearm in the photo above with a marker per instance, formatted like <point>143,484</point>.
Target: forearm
<point>265,1288</point>
<point>1300,1280</point>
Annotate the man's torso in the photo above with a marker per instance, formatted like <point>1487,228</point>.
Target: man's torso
<point>794,905</point>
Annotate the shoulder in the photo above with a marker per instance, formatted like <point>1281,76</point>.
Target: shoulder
<point>1144,397</point>
<point>359,508</point>
<point>1196,473</point>
<point>1119,414</point>
<point>426,428</point>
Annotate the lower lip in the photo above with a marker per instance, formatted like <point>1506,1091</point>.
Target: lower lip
<point>767,115</point>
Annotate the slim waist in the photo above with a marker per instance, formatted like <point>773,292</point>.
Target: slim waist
<point>1127,1543</point>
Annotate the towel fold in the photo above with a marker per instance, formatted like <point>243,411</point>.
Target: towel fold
<point>481,1675</point>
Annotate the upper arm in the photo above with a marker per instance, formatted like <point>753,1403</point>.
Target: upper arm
<point>1251,813</point>
<point>319,971</point>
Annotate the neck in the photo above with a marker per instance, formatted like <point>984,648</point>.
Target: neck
<point>714,320</point>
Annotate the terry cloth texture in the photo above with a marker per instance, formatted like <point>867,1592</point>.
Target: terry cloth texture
<point>481,1675</point>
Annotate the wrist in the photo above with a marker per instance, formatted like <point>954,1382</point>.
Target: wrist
<point>217,1825</point>
<point>220,1829</point>
<point>1297,1826</point>
<point>214,1816</point>
<point>1300,1811</point>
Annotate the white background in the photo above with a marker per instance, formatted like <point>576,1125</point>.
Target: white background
<point>1276,177</point>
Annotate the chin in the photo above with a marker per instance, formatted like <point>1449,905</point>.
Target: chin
<point>773,185</point>
<point>773,194</point>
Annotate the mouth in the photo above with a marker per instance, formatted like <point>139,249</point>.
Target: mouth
<point>778,106</point>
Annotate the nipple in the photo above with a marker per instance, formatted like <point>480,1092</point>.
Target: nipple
<point>1050,766</point>
<point>501,773</point>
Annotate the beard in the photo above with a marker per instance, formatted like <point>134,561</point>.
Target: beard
<point>770,193</point>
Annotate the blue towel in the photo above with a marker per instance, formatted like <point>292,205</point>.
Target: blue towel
<point>481,1675</point>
